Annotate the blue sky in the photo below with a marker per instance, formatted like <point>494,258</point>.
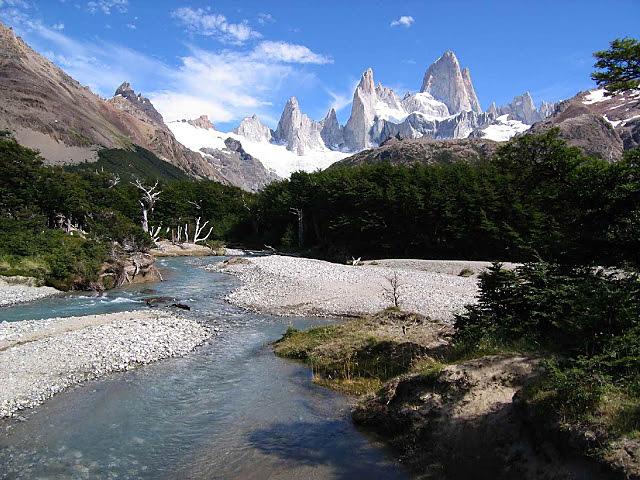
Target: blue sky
<point>230,59</point>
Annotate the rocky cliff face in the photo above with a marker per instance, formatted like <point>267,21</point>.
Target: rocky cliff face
<point>356,131</point>
<point>297,131</point>
<point>149,130</point>
<point>332,132</point>
<point>252,129</point>
<point>446,82</point>
<point>238,167</point>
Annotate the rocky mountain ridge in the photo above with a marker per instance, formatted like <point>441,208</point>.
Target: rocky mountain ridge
<point>446,106</point>
<point>601,125</point>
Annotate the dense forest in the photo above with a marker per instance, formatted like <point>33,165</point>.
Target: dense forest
<point>536,199</point>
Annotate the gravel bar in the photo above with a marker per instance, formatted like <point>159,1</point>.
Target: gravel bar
<point>15,294</point>
<point>300,286</point>
<point>39,358</point>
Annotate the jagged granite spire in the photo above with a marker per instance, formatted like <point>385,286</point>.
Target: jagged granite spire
<point>471,92</point>
<point>332,132</point>
<point>446,82</point>
<point>356,131</point>
<point>297,131</point>
<point>523,108</point>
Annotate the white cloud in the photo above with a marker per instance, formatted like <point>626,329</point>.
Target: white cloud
<point>404,20</point>
<point>58,26</point>
<point>289,53</point>
<point>204,22</point>
<point>229,85</point>
<point>131,26</point>
<point>106,6</point>
<point>264,18</point>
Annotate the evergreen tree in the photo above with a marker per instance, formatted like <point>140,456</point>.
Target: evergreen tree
<point>619,66</point>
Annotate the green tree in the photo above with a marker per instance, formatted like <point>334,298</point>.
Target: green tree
<point>619,66</point>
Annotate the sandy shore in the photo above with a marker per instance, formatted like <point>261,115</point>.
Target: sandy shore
<point>39,358</point>
<point>12,294</point>
<point>300,286</point>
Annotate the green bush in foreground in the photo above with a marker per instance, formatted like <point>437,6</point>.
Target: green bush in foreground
<point>585,321</point>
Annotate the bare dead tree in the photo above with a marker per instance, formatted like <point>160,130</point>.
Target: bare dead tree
<point>300,214</point>
<point>66,223</point>
<point>356,261</point>
<point>197,204</point>
<point>392,290</point>
<point>196,235</point>
<point>114,180</point>
<point>245,205</point>
<point>154,232</point>
<point>148,201</point>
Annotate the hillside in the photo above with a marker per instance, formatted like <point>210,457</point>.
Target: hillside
<point>47,110</point>
<point>137,162</point>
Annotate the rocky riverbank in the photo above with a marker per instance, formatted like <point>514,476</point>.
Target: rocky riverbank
<point>15,290</point>
<point>300,286</point>
<point>165,248</point>
<point>39,358</point>
<point>447,418</point>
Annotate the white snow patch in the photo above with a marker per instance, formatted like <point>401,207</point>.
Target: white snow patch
<point>272,156</point>
<point>614,123</point>
<point>504,129</point>
<point>385,112</point>
<point>595,96</point>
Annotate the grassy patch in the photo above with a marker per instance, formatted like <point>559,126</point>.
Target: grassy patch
<point>359,355</point>
<point>427,367</point>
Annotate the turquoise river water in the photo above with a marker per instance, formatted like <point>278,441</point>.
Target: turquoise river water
<point>229,410</point>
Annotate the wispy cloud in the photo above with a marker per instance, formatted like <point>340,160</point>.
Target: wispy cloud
<point>14,3</point>
<point>202,21</point>
<point>58,26</point>
<point>14,12</point>
<point>341,99</point>
<point>289,53</point>
<point>107,6</point>
<point>264,18</point>
<point>403,21</point>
